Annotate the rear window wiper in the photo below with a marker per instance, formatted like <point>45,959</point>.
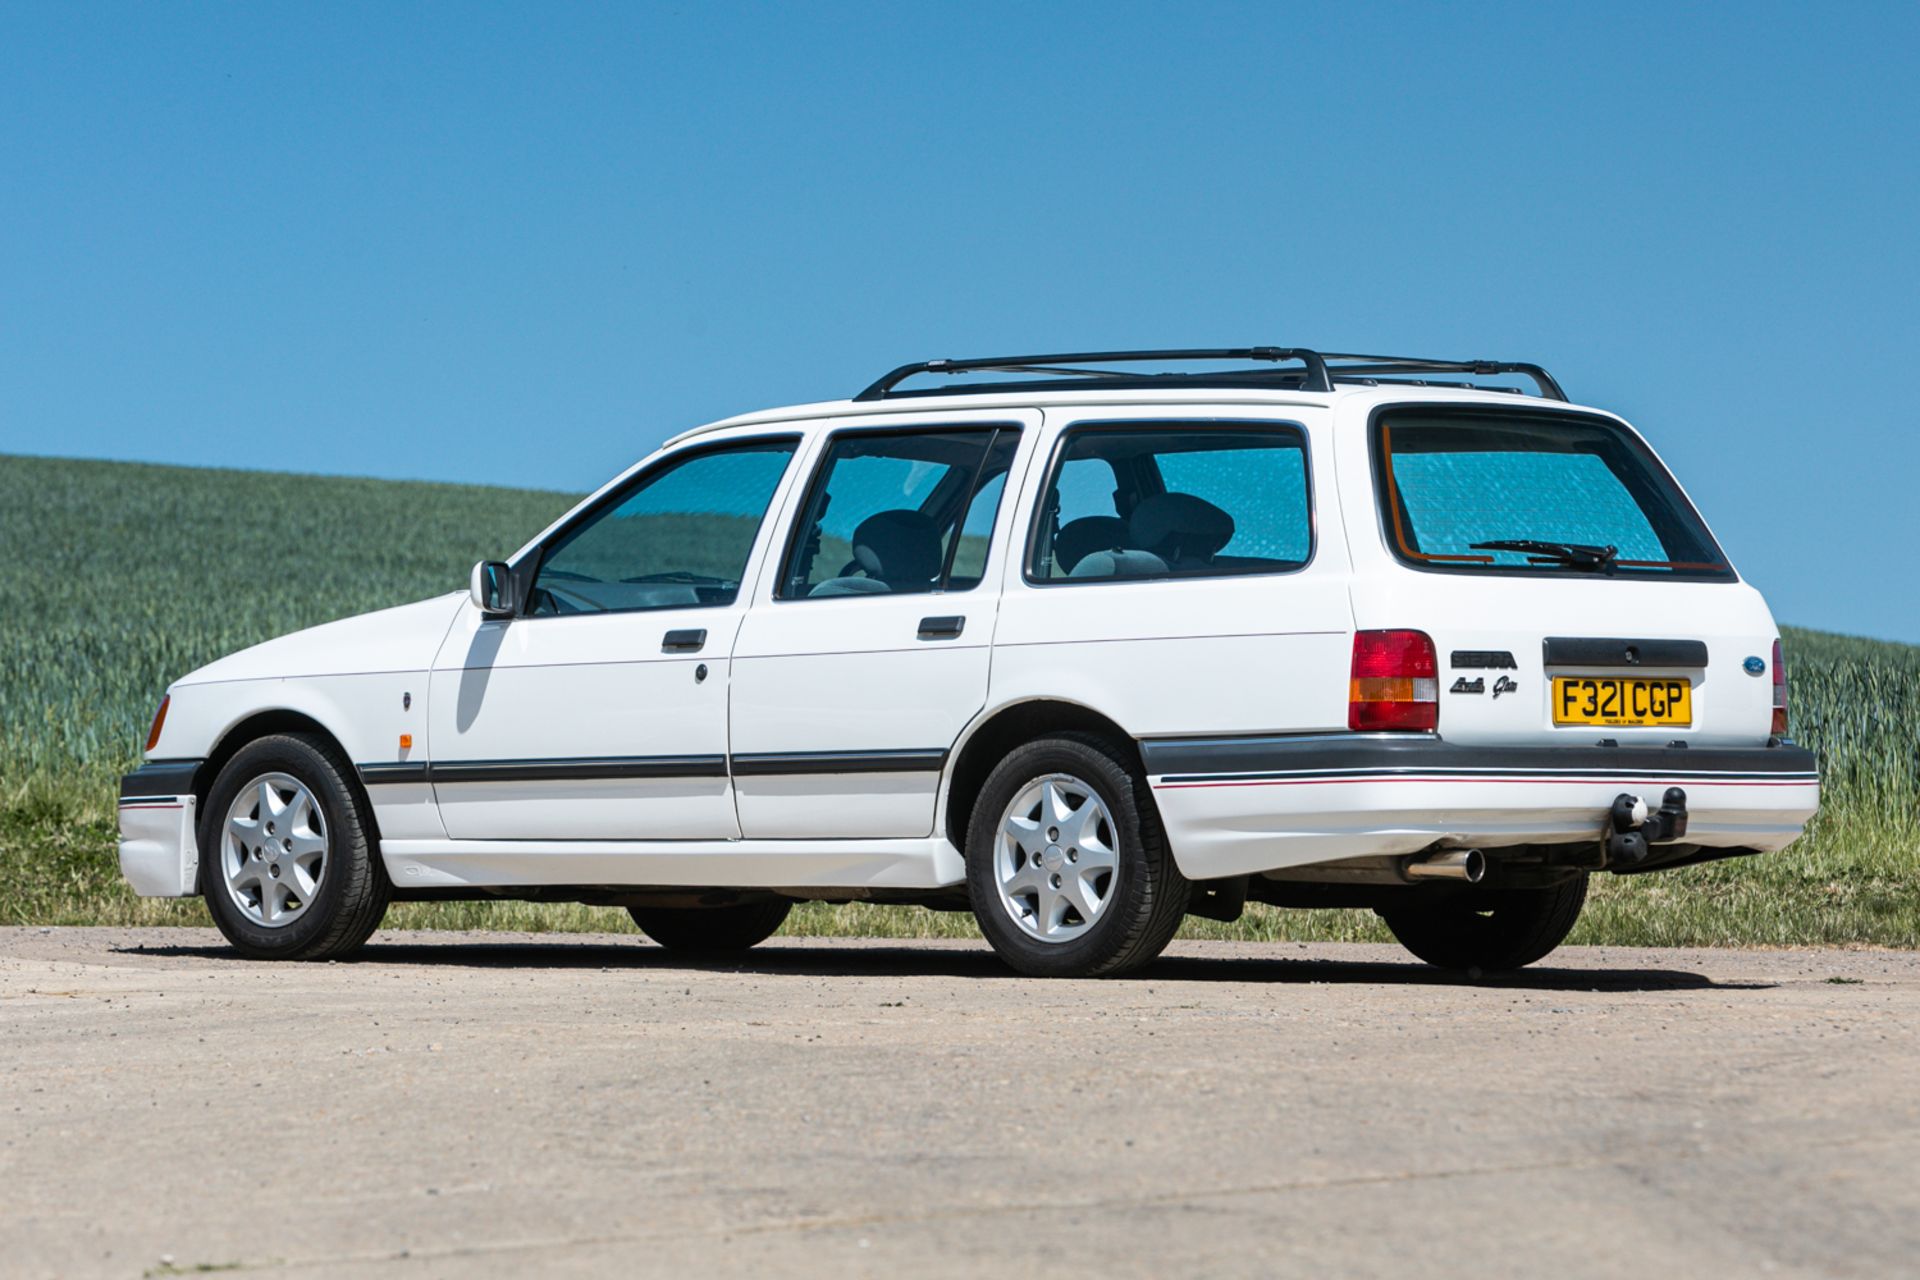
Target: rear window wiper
<point>1577,555</point>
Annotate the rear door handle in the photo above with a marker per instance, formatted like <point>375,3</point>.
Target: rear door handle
<point>947,627</point>
<point>690,640</point>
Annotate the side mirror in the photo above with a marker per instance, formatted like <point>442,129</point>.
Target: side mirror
<point>492,589</point>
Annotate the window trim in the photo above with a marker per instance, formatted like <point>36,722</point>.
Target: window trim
<point>1381,485</point>
<point>527,570</point>
<point>824,451</point>
<point>1029,559</point>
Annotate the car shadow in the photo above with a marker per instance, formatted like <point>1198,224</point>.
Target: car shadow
<point>906,960</point>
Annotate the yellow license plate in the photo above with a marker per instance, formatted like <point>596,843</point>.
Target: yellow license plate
<point>1622,700</point>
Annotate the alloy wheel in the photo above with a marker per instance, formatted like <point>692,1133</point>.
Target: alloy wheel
<point>1055,859</point>
<point>273,849</point>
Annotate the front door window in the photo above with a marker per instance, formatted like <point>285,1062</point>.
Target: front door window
<point>678,538</point>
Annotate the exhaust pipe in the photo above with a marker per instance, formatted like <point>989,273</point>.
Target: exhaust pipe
<point>1469,865</point>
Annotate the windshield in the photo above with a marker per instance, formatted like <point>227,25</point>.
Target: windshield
<point>1486,489</point>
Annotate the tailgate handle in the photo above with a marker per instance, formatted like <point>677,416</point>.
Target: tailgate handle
<point>1594,651</point>
<point>947,627</point>
<point>690,640</point>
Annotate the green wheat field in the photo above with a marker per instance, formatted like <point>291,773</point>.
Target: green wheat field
<point>116,578</point>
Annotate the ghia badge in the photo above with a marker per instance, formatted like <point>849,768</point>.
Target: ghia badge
<point>1505,684</point>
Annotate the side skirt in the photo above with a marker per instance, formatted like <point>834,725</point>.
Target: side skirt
<point>924,863</point>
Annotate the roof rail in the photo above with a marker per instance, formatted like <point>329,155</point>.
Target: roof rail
<point>1313,379</point>
<point>1316,372</point>
<point>1366,368</point>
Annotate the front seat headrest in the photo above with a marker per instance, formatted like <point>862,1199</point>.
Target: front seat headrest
<point>1080,538</point>
<point>1179,526</point>
<point>900,548</point>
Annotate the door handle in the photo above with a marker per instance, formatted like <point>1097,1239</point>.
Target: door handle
<point>690,640</point>
<point>947,627</point>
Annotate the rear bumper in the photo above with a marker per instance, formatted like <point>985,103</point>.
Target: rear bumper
<point>1239,805</point>
<point>159,851</point>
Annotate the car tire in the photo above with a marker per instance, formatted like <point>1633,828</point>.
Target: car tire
<point>711,930</point>
<point>1490,930</point>
<point>287,855</point>
<point>1029,883</point>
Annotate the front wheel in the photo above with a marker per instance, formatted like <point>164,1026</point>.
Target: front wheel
<point>287,862</point>
<point>1067,866</point>
<point>1489,929</point>
<point>711,930</point>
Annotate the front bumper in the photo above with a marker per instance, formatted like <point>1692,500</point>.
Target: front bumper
<point>159,851</point>
<point>1234,806</point>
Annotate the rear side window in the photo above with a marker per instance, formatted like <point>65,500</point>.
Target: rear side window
<point>899,513</point>
<point>1480,490</point>
<point>1175,500</point>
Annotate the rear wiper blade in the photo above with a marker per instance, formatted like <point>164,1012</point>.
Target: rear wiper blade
<point>1578,555</point>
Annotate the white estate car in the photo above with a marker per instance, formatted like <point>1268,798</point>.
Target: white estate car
<point>1081,648</point>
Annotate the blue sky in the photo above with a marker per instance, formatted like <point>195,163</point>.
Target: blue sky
<point>520,245</point>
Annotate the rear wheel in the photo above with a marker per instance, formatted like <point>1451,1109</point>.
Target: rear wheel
<point>1490,929</point>
<point>1067,866</point>
<point>287,862</point>
<point>711,930</point>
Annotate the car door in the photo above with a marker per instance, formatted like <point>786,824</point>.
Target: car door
<point>1176,578</point>
<point>598,711</point>
<point>859,665</point>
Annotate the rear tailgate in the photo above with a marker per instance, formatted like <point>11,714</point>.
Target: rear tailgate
<point>1539,543</point>
<point>1672,656</point>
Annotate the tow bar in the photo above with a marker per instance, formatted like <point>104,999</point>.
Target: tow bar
<point>1632,830</point>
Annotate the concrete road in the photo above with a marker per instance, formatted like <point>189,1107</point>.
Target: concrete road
<point>467,1104</point>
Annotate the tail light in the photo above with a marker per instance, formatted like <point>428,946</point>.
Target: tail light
<point>159,723</point>
<point>1395,682</point>
<point>1779,691</point>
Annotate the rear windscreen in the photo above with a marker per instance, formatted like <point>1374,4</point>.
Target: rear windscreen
<point>1514,492</point>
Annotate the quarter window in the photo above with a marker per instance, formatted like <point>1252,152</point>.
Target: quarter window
<point>678,538</point>
<point>1175,501</point>
<point>899,513</point>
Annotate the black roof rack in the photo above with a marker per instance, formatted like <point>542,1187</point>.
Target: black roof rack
<point>1315,373</point>
<point>1368,368</point>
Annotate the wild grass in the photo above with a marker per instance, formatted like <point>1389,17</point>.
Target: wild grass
<point>116,578</point>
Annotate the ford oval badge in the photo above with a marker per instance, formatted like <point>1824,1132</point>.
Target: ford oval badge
<point>1755,667</point>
